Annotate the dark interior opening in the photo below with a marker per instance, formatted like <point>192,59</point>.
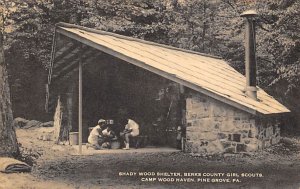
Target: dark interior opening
<point>114,89</point>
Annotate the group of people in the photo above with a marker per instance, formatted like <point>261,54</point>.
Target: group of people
<point>102,135</point>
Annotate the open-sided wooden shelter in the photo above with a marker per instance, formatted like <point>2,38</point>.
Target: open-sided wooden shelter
<point>98,74</point>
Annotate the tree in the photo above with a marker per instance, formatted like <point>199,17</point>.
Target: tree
<point>8,139</point>
<point>278,43</point>
<point>30,38</point>
<point>281,41</point>
<point>192,25</point>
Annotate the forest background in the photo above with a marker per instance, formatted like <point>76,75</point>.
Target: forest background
<point>207,26</point>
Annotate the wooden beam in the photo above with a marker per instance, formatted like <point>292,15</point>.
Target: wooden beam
<point>80,105</point>
<point>53,48</point>
<point>62,78</point>
<point>182,104</point>
<point>64,51</point>
<point>72,65</point>
<point>71,57</point>
<point>66,59</point>
<point>60,50</point>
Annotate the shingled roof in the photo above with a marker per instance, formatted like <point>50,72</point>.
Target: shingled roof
<point>209,75</point>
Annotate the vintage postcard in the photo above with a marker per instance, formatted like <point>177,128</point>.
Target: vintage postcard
<point>149,94</point>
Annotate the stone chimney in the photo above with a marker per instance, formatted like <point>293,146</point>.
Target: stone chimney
<point>250,57</point>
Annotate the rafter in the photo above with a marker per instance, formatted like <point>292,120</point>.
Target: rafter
<point>65,51</point>
<point>59,64</point>
<point>73,64</point>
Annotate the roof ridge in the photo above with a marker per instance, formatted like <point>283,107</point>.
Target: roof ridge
<point>63,24</point>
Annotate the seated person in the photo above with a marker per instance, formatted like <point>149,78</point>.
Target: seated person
<point>106,137</point>
<point>131,130</point>
<point>93,138</point>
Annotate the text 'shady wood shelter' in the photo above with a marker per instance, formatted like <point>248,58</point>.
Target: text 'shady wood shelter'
<point>162,87</point>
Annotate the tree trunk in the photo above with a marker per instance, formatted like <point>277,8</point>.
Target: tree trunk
<point>8,140</point>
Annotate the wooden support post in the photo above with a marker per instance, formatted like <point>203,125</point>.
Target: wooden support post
<point>182,112</point>
<point>182,104</point>
<point>182,89</point>
<point>69,108</point>
<point>80,106</point>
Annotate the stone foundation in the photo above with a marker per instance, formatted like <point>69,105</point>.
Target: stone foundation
<point>215,127</point>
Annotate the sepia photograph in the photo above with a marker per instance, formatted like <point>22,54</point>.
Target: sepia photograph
<point>154,94</point>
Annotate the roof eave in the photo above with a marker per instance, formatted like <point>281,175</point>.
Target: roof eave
<point>277,114</point>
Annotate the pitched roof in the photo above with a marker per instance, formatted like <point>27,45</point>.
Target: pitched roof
<point>209,75</point>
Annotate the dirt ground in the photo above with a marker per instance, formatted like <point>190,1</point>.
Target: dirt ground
<point>58,167</point>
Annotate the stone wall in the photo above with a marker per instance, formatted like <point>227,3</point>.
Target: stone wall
<point>268,132</point>
<point>215,127</point>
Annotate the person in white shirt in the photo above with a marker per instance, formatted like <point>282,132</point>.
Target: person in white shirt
<point>106,137</point>
<point>131,130</point>
<point>95,134</point>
